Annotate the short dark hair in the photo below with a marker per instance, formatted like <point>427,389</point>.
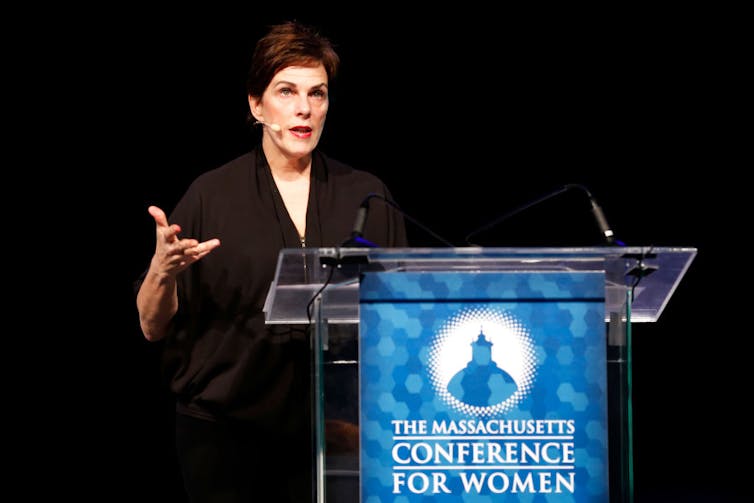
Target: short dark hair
<point>289,44</point>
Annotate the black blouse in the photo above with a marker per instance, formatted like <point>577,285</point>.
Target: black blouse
<point>220,358</point>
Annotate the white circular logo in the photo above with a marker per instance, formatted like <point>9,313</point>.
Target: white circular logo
<point>482,361</point>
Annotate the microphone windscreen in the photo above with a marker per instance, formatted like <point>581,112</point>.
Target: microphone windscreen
<point>361,220</point>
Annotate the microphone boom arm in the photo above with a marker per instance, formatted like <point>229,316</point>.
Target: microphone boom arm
<point>506,216</point>
<point>599,216</point>
<point>361,218</point>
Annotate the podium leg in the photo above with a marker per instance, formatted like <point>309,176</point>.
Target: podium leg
<point>318,415</point>
<point>620,413</point>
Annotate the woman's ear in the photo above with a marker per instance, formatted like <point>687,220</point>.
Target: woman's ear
<point>255,107</point>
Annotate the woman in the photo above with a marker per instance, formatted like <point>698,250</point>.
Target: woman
<point>241,387</point>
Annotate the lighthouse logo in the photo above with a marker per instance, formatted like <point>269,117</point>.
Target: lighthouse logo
<point>482,361</point>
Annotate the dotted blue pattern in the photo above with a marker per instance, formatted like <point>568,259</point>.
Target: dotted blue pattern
<point>561,314</point>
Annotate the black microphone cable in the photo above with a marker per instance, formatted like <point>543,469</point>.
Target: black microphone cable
<point>357,238</point>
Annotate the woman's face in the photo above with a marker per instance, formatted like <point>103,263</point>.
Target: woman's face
<point>297,100</point>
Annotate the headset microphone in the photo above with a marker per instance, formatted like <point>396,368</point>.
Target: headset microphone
<point>274,127</point>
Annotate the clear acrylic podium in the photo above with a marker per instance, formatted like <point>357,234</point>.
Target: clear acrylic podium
<point>320,286</point>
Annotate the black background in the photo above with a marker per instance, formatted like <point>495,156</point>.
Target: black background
<point>465,115</point>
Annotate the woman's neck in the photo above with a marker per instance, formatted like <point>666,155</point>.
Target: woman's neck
<point>287,168</point>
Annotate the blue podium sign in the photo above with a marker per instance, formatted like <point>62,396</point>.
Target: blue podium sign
<point>482,387</point>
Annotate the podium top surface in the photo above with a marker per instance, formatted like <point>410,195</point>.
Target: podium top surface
<point>653,273</point>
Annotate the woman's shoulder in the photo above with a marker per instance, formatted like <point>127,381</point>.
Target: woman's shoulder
<point>341,170</point>
<point>234,168</point>
<point>229,174</point>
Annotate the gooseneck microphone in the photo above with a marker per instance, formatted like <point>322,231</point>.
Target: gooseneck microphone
<point>361,218</point>
<point>599,215</point>
<point>357,234</point>
<point>271,125</point>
